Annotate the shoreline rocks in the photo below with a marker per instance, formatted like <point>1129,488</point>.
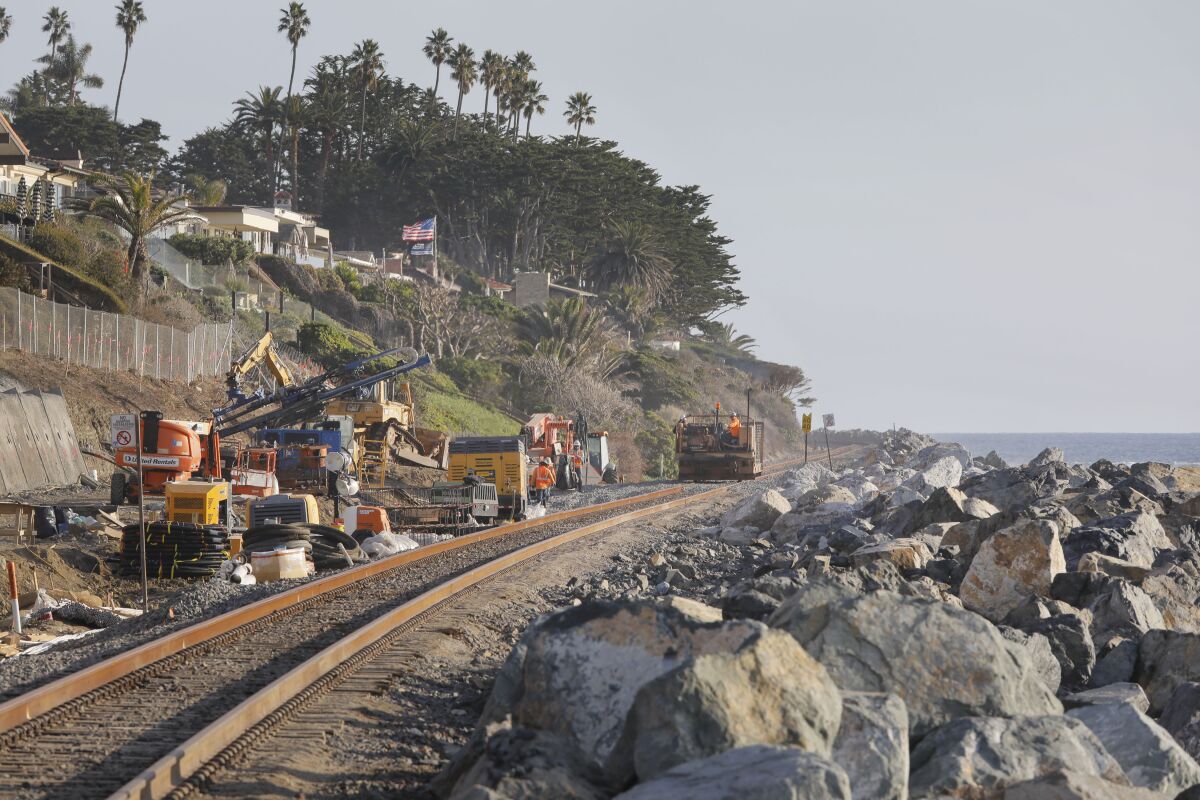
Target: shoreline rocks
<point>925,624</point>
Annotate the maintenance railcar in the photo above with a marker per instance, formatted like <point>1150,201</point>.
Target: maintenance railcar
<point>707,451</point>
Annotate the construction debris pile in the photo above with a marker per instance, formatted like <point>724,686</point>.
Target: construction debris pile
<point>930,625</point>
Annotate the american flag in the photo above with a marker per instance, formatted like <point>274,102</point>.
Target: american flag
<point>423,231</point>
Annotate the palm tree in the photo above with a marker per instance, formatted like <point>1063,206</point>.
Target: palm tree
<point>437,50</point>
<point>535,102</point>
<point>57,26</point>
<point>327,104</point>
<point>130,15</point>
<point>68,68</point>
<point>130,202</point>
<point>207,192</point>
<point>522,62</point>
<point>261,112</point>
<point>725,335</point>
<point>491,68</point>
<point>568,330</point>
<point>462,70</point>
<point>5,23</point>
<point>580,111</point>
<point>368,60</point>
<point>295,115</point>
<point>631,256</point>
<point>295,24</point>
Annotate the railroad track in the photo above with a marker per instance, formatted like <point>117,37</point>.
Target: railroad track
<point>172,711</point>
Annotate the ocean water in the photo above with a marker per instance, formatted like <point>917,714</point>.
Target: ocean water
<point>1085,448</point>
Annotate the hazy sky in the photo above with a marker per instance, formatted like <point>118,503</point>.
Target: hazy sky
<point>955,215</point>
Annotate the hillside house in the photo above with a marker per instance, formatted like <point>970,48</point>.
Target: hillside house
<point>58,182</point>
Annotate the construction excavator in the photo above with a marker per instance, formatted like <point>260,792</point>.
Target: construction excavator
<point>261,353</point>
<point>384,415</point>
<point>176,450</point>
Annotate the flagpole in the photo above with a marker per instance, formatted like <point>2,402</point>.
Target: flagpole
<point>436,274</point>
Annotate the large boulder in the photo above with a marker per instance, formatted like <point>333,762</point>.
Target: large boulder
<point>1092,507</point>
<point>945,471</point>
<point>1014,564</point>
<point>947,504</point>
<point>936,452</point>
<point>1051,455</point>
<point>1176,594</point>
<point>1136,537</point>
<point>524,765</point>
<point>859,485</point>
<point>1123,610</point>
<point>1111,566</point>
<point>758,511</point>
<point>1069,785</point>
<point>1039,650</point>
<point>1071,642</point>
<point>1181,718</point>
<point>577,671</point>
<point>943,662</point>
<point>1150,757</point>
<point>768,691</point>
<point>993,460</point>
<point>804,479</point>
<point>1115,663</point>
<point>758,772</point>
<point>1165,660</point>
<point>981,756</point>
<point>1112,693</point>
<point>872,746</point>
<point>1006,489</point>
<point>904,553</point>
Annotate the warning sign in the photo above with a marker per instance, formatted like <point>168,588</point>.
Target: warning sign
<point>123,428</point>
<point>806,423</point>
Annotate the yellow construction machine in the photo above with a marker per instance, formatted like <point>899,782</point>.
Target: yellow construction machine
<point>385,430</point>
<point>260,353</point>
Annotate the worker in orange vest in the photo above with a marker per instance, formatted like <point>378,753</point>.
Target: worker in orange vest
<point>543,479</point>
<point>735,430</point>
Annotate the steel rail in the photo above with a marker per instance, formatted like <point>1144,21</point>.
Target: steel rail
<point>26,707</point>
<point>178,766</point>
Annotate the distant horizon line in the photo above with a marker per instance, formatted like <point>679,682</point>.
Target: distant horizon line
<point>1064,433</point>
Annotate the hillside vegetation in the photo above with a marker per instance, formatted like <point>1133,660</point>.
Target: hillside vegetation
<point>366,150</point>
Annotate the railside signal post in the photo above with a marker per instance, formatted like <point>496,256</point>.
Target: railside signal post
<point>148,419</point>
<point>828,422</point>
<point>806,426</point>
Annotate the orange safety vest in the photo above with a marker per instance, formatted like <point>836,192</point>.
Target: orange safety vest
<point>735,427</point>
<point>543,477</point>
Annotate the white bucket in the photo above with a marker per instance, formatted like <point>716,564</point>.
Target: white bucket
<point>273,565</point>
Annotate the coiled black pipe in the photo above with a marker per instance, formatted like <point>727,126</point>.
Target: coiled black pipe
<point>321,542</point>
<point>174,549</point>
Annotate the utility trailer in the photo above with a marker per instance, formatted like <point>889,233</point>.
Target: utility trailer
<point>446,507</point>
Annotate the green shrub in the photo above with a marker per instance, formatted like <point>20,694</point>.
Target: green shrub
<point>349,277</point>
<point>330,280</point>
<point>108,267</point>
<point>216,250</point>
<point>656,442</point>
<point>58,243</point>
<point>13,274</point>
<point>484,379</point>
<point>332,345</point>
<point>664,382</point>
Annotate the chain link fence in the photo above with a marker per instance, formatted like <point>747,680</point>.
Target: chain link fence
<point>113,342</point>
